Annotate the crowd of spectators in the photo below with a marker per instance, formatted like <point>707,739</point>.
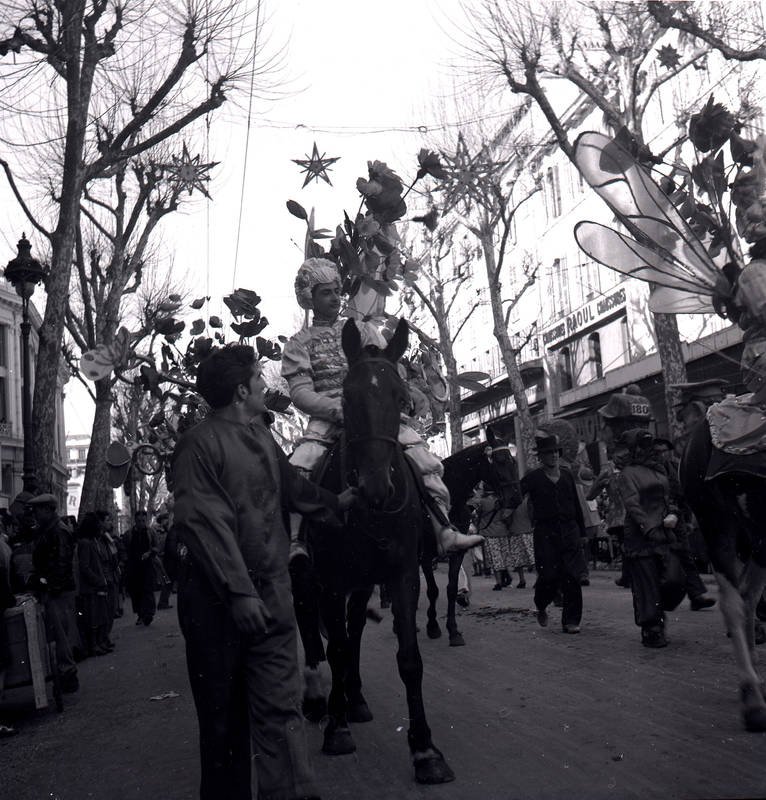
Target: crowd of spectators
<point>79,573</point>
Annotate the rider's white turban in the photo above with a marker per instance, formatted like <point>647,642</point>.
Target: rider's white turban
<point>314,271</point>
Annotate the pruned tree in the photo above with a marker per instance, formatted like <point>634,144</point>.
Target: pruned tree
<point>483,191</point>
<point>438,289</point>
<point>121,78</point>
<point>609,52</point>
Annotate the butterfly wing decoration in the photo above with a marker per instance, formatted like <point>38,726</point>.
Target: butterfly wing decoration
<point>659,246</point>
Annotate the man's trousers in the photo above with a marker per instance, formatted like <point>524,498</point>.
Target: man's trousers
<point>231,676</point>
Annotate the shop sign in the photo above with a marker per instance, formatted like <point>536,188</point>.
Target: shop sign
<point>585,317</point>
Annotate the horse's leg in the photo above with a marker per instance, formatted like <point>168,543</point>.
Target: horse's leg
<point>337,736</point>
<point>433,628</point>
<point>455,637</point>
<point>430,766</point>
<point>733,607</point>
<point>304,586</point>
<point>357,708</point>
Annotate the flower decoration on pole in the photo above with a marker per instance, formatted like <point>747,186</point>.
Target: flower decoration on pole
<point>186,172</point>
<point>367,248</point>
<point>315,166</point>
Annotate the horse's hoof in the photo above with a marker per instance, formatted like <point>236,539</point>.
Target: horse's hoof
<point>456,640</point>
<point>338,742</point>
<point>432,769</point>
<point>358,710</point>
<point>314,708</point>
<point>433,629</point>
<point>755,720</point>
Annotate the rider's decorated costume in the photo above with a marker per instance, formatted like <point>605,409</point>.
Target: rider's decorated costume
<point>314,365</point>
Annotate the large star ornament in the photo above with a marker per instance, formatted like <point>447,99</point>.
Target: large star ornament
<point>188,173</point>
<point>470,177</point>
<point>315,166</point>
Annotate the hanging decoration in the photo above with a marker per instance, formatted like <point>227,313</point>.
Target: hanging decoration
<point>186,172</point>
<point>315,166</point>
<point>469,178</point>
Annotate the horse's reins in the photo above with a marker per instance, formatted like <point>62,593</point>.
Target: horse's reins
<point>392,440</point>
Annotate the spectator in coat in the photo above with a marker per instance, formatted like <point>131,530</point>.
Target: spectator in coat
<point>53,558</point>
<point>93,586</point>
<point>556,514</point>
<point>142,550</point>
<point>7,600</point>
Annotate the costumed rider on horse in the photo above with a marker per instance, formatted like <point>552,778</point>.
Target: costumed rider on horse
<point>314,365</point>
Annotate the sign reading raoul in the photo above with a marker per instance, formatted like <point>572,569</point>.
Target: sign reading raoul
<point>585,317</point>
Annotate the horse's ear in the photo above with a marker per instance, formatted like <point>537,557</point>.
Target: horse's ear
<point>398,344</point>
<point>491,438</point>
<point>351,341</point>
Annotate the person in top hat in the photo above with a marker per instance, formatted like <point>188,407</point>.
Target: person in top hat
<point>53,559</point>
<point>558,526</point>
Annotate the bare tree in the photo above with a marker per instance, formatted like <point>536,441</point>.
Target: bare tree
<point>607,52</point>
<point>122,78</point>
<point>484,193</point>
<point>441,281</point>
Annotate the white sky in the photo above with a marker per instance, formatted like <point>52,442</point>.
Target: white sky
<point>355,66</point>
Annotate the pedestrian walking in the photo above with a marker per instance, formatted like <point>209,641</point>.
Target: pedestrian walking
<point>656,578</point>
<point>233,489</point>
<point>109,555</point>
<point>491,524</point>
<point>161,536</point>
<point>141,577</point>
<point>558,526</point>
<point>53,558</point>
<point>92,597</point>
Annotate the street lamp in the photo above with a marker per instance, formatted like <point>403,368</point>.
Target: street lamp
<point>24,273</point>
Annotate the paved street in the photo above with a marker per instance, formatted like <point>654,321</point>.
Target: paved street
<point>520,712</point>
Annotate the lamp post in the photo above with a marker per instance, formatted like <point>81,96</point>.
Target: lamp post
<point>24,273</point>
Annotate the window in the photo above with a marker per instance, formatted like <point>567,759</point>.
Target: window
<point>7,479</point>
<point>82,454</point>
<point>3,345</point>
<point>594,354</point>
<point>565,369</point>
<point>552,192</point>
<point>559,292</point>
<point>3,397</point>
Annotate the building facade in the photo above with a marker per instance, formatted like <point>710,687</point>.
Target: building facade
<point>11,387</point>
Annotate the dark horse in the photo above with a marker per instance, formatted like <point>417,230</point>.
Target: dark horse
<point>462,472</point>
<point>727,494</point>
<point>380,542</point>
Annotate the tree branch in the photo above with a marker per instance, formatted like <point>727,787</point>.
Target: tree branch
<point>463,323</point>
<point>20,200</point>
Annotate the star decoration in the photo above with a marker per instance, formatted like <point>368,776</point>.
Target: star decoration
<point>668,56</point>
<point>469,177</point>
<point>315,166</point>
<point>187,172</point>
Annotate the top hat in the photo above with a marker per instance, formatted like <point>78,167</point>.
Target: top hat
<point>547,444</point>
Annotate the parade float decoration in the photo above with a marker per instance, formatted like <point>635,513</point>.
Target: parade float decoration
<point>315,166</point>
<point>682,235</point>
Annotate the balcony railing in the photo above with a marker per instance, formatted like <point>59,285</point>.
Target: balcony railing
<point>6,429</point>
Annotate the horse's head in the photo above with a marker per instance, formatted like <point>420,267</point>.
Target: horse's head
<point>499,470</point>
<point>373,397</point>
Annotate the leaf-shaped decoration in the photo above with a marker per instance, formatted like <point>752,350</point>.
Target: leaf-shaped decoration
<point>474,376</point>
<point>169,306</point>
<point>202,348</point>
<point>268,349</point>
<point>276,401</point>
<point>472,386</point>
<point>297,210</point>
<point>250,327</point>
<point>198,303</point>
<point>215,322</point>
<point>198,326</point>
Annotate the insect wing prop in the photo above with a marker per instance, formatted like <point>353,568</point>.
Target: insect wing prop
<point>661,248</point>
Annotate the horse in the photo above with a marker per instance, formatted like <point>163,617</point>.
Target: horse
<point>728,498</point>
<point>380,543</point>
<point>462,472</point>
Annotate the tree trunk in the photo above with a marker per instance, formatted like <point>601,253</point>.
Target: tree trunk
<point>510,357</point>
<point>673,366</point>
<point>95,481</point>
